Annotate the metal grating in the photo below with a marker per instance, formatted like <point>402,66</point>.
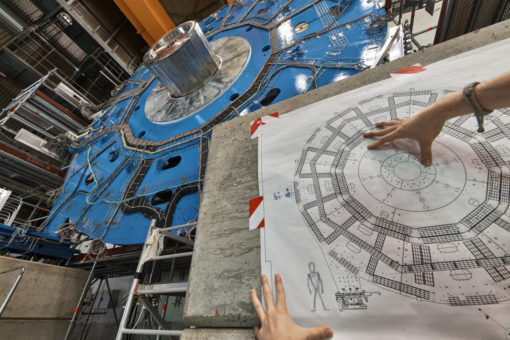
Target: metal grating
<point>459,21</point>
<point>506,12</point>
<point>486,14</point>
<point>26,9</point>
<point>4,36</point>
<point>8,90</point>
<point>38,54</point>
<point>65,44</point>
<point>469,15</point>
<point>98,74</point>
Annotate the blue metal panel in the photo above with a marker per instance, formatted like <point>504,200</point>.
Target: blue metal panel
<point>31,243</point>
<point>296,46</point>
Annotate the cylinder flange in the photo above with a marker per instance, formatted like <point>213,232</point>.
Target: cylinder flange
<point>182,59</point>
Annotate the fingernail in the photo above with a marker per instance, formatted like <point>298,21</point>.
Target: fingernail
<point>277,276</point>
<point>428,162</point>
<point>329,333</point>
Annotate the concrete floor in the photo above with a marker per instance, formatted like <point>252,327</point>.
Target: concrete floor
<point>226,261</point>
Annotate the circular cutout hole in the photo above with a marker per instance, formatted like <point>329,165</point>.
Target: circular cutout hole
<point>89,179</point>
<point>234,96</point>
<point>113,155</point>
<point>162,196</point>
<point>141,134</point>
<point>263,11</point>
<point>249,29</point>
<point>301,27</point>
<point>137,107</point>
<point>270,96</point>
<point>170,163</point>
<point>266,48</point>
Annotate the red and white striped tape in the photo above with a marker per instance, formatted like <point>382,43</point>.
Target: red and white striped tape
<point>257,213</point>
<point>408,71</point>
<point>257,124</point>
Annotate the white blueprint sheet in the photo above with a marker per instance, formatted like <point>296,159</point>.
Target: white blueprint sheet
<point>375,245</point>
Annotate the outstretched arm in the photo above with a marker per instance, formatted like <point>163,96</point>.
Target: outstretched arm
<point>426,125</point>
<point>276,323</point>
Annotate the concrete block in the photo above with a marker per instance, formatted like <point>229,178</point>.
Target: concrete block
<point>226,260</point>
<point>45,291</point>
<point>33,329</point>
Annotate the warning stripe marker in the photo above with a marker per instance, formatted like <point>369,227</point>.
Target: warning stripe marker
<point>257,213</point>
<point>256,124</point>
<point>408,71</point>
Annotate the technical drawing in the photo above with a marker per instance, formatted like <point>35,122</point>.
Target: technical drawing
<point>353,300</point>
<point>429,233</point>
<point>315,286</point>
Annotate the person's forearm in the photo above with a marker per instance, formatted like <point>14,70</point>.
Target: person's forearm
<point>494,93</point>
<point>425,126</point>
<point>491,94</point>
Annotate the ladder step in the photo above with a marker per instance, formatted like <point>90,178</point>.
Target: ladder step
<point>162,288</point>
<point>169,256</point>
<point>151,331</point>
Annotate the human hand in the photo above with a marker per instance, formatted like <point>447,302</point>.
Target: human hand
<point>423,128</point>
<point>276,323</point>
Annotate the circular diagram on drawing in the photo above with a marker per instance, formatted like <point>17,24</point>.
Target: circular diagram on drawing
<point>440,233</point>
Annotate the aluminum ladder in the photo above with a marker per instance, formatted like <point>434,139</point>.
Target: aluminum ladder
<point>141,291</point>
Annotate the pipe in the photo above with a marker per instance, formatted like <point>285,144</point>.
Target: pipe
<point>14,214</point>
<point>413,13</point>
<point>400,12</point>
<point>170,256</point>
<point>111,299</point>
<point>80,301</point>
<point>13,288</point>
<point>446,21</point>
<point>424,31</point>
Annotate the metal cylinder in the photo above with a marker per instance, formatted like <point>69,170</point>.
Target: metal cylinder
<point>182,59</point>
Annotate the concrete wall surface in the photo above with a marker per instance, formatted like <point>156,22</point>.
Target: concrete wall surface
<point>45,291</point>
<point>42,304</point>
<point>33,329</point>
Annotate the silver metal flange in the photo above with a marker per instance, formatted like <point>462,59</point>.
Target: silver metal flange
<point>182,59</point>
<point>162,106</point>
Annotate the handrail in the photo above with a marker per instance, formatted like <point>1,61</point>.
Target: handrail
<point>13,288</point>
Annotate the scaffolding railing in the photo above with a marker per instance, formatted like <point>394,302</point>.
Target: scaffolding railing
<point>13,287</point>
<point>138,291</point>
<point>45,47</point>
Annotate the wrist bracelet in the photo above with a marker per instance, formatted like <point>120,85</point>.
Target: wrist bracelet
<point>480,112</point>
